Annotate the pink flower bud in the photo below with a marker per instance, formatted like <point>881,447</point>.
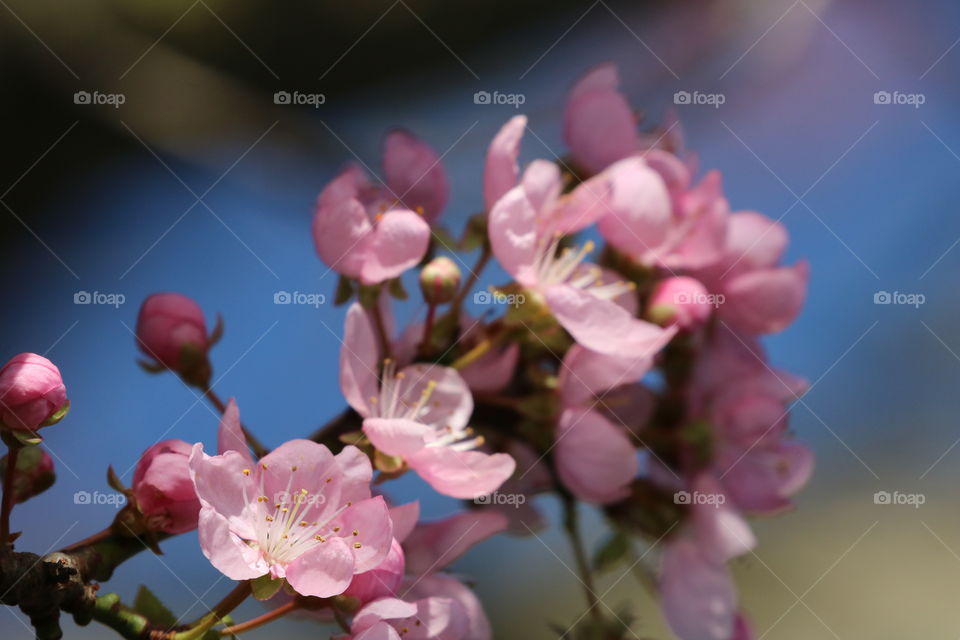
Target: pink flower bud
<point>32,394</point>
<point>681,301</point>
<point>440,280</point>
<point>172,331</point>
<point>34,473</point>
<point>163,488</point>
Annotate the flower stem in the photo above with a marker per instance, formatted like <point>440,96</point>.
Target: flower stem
<point>230,602</point>
<point>381,327</point>
<point>428,328</point>
<point>13,451</point>
<point>252,440</point>
<point>572,525</point>
<point>259,621</point>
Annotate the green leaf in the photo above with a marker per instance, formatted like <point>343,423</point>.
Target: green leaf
<point>58,416</point>
<point>396,289</point>
<point>265,587</point>
<point>612,552</point>
<point>149,605</point>
<point>344,291</point>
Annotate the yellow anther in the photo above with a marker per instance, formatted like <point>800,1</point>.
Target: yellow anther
<point>357,545</point>
<point>356,532</point>
<point>246,472</point>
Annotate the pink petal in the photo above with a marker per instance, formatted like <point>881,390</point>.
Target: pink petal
<point>586,374</point>
<point>640,211</point>
<point>381,581</point>
<point>699,600</point>
<point>754,240</point>
<point>324,571</point>
<point>366,523</point>
<point>341,227</point>
<point>587,203</point>
<point>225,550</point>
<point>379,631</point>
<point>512,228</point>
<point>435,545</point>
<point>299,464</point>
<point>221,482</point>
<point>359,360</point>
<point>706,211</point>
<point>599,125</point>
<point>542,184</point>
<point>763,480</point>
<point>398,242</point>
<point>414,174</point>
<point>381,610</point>
<point>720,528</point>
<point>602,325</point>
<point>493,371</point>
<point>462,474</point>
<point>501,171</point>
<point>439,618</point>
<point>230,434</point>
<point>404,518</point>
<point>767,300</point>
<point>397,436</point>
<point>356,473</point>
<point>438,584</point>
<point>595,459</point>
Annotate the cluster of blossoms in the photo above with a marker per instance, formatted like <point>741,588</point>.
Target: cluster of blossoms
<point>635,383</point>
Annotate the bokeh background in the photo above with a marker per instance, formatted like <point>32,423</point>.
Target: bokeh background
<point>200,183</point>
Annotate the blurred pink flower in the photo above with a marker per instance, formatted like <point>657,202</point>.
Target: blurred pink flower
<point>372,232</point>
<point>31,392</point>
<point>599,125</point>
<point>419,413</point>
<point>682,301</point>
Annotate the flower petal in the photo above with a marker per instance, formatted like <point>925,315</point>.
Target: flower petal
<point>397,436</point>
<point>356,473</point>
<point>341,226</point>
<point>230,434</point>
<point>359,358</point>
<point>595,459</point>
<point>404,518</point>
<point>413,172</point>
<point>512,228</point>
<point>450,404</point>
<point>501,171</point>
<point>586,374</point>
<point>602,325</point>
<point>766,300</point>
<point>435,545</point>
<point>221,482</point>
<point>398,242</point>
<point>324,571</point>
<point>462,474</point>
<point>699,599</point>
<point>225,550</point>
<point>598,124</point>
<point>368,529</point>
<point>441,585</point>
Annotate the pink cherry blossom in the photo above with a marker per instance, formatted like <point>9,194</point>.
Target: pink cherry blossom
<point>163,488</point>
<point>31,392</point>
<point>525,228</point>
<point>419,413</point>
<point>599,125</point>
<point>432,618</point>
<point>372,232</point>
<point>595,459</point>
<point>301,513</point>
<point>171,330</point>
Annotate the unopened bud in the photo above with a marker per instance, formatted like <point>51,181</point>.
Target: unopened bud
<point>172,331</point>
<point>440,280</point>
<point>32,394</point>
<point>34,473</point>
<point>680,301</point>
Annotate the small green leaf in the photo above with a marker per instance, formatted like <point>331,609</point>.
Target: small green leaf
<point>387,464</point>
<point>344,291</point>
<point>613,551</point>
<point>58,416</point>
<point>265,587</point>
<point>396,289</point>
<point>149,605</point>
<point>114,480</point>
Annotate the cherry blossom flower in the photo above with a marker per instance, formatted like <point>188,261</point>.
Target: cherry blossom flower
<point>375,233</point>
<point>301,513</point>
<point>163,488</point>
<point>419,413</point>
<point>525,228</point>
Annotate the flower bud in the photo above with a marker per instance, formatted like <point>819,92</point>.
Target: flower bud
<point>680,301</point>
<point>440,280</point>
<point>34,473</point>
<point>32,394</point>
<point>163,489</point>
<point>172,331</point>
